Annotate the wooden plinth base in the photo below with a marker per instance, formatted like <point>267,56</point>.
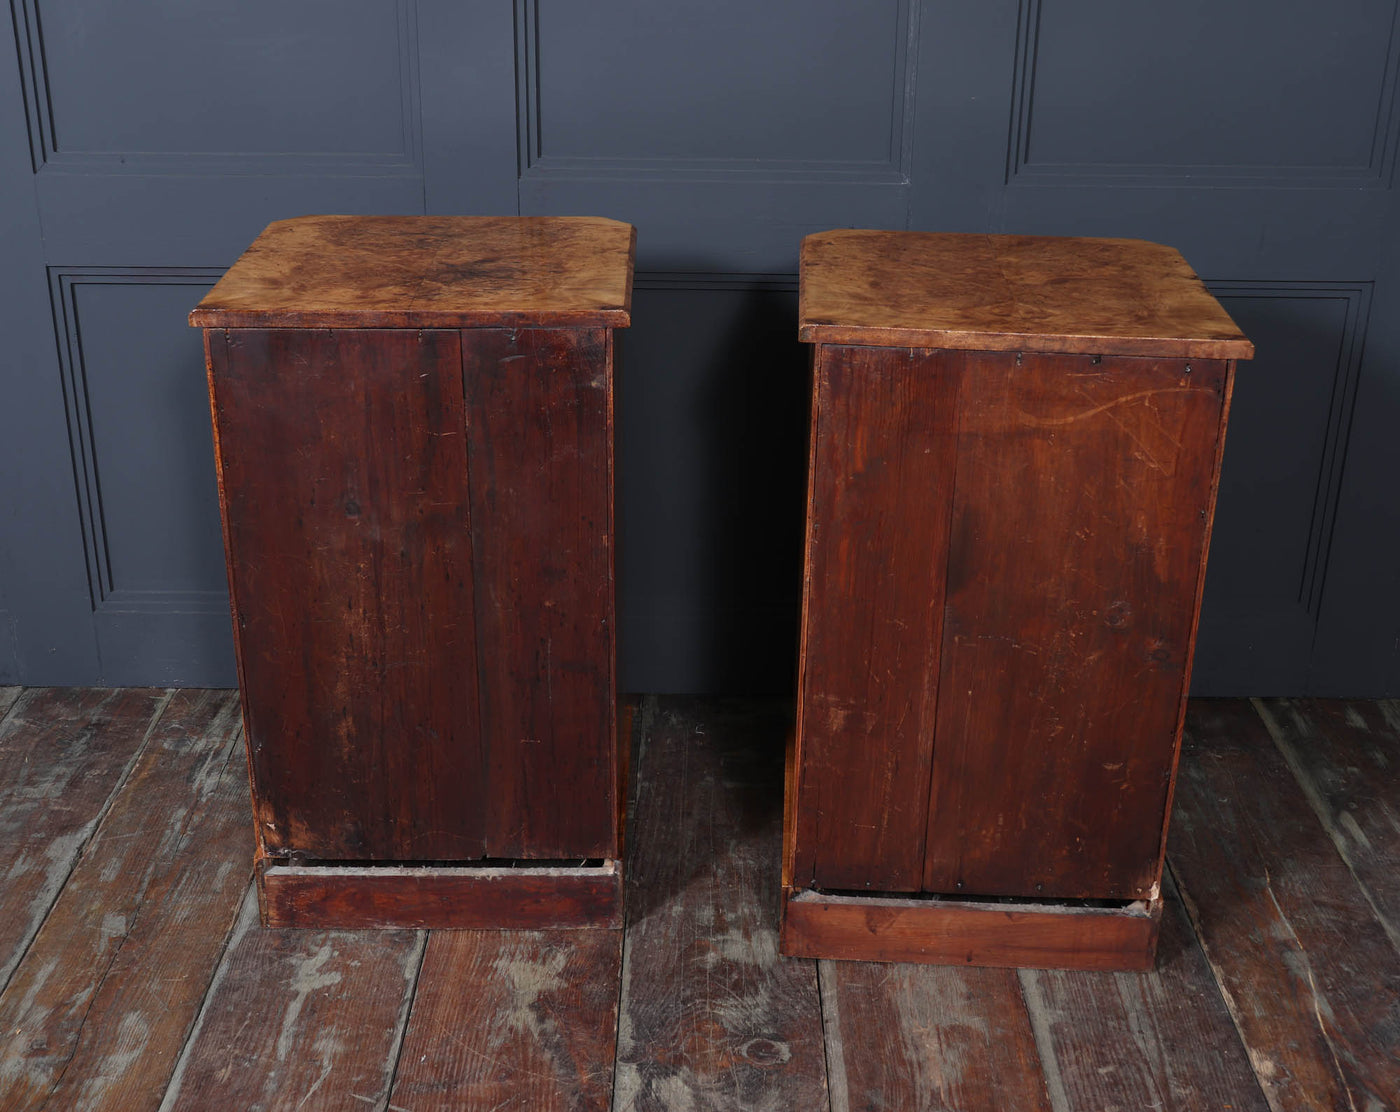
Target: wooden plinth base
<point>351,897</point>
<point>948,932</point>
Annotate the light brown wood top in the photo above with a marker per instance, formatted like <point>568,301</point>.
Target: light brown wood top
<point>1010,293</point>
<point>428,272</point>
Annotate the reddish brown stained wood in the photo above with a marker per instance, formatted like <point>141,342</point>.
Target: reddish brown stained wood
<point>539,414</point>
<point>928,1038</point>
<point>1010,293</point>
<point>1161,1039</point>
<point>1344,754</point>
<point>508,1020</point>
<point>344,484</point>
<point>1308,971</point>
<point>1043,936</point>
<point>1079,526</point>
<point>882,466</point>
<point>62,752</point>
<point>97,1012</point>
<point>711,1016</point>
<point>306,1020</point>
<point>428,272</point>
<point>349,898</point>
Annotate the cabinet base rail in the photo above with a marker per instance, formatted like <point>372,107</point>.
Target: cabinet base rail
<point>1039,935</point>
<point>357,897</point>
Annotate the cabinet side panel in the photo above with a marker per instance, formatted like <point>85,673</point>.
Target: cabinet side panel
<point>344,481</point>
<point>1079,522</point>
<point>881,496</point>
<point>541,477</point>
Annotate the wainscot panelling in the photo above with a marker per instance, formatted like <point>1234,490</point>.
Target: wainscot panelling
<point>142,147</point>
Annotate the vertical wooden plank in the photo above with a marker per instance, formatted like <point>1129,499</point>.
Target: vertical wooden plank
<point>935,1038</point>
<point>1307,969</point>
<point>98,1010</point>
<point>540,444</point>
<point>880,498</point>
<point>343,476</point>
<point>507,1020</point>
<point>1083,492</point>
<point>711,1016</point>
<point>1344,753</point>
<point>306,1020</point>
<point>1162,1039</point>
<point>62,752</point>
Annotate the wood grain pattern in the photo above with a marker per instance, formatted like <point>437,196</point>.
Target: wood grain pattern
<point>344,487</point>
<point>711,1016</point>
<point>305,1020</point>
<point>512,1020</point>
<point>350,898</point>
<point>929,1038</point>
<point>1308,971</point>
<point>1161,1039</point>
<point>1010,293</point>
<point>85,1022</point>
<point>62,752</point>
<point>1343,754</point>
<point>1079,527</point>
<point>540,418</point>
<point>428,272</point>
<point>1045,936</point>
<point>882,458</point>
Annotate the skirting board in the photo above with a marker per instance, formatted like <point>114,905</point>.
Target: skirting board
<point>948,932</point>
<point>354,897</point>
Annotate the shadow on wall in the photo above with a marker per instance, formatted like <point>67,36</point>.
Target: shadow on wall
<point>712,403</point>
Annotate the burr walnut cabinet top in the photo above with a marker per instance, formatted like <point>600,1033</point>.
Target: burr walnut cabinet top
<point>1010,293</point>
<point>428,272</point>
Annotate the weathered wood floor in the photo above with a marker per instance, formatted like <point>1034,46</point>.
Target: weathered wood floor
<point>135,976</point>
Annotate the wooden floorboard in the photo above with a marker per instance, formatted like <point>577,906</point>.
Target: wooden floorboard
<point>99,1008</point>
<point>136,976</point>
<point>1346,755</point>
<point>712,1017</point>
<point>928,1037</point>
<point>1307,969</point>
<point>512,1021</point>
<point>300,1019</point>
<point>63,751</point>
<point>8,697</point>
<point>1160,1040</point>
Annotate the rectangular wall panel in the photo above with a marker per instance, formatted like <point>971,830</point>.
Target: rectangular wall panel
<point>727,86</point>
<point>319,83</point>
<point>1289,425</point>
<point>1208,90</point>
<point>142,471</point>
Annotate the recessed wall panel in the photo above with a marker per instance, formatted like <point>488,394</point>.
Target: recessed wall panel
<point>1205,88</point>
<point>1289,424</point>
<point>316,78</point>
<point>728,81</point>
<point>142,448</point>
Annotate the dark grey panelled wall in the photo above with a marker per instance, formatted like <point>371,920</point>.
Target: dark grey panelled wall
<point>143,145</point>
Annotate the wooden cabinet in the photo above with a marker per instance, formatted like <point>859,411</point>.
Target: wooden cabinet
<point>413,423</point>
<point>1014,454</point>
